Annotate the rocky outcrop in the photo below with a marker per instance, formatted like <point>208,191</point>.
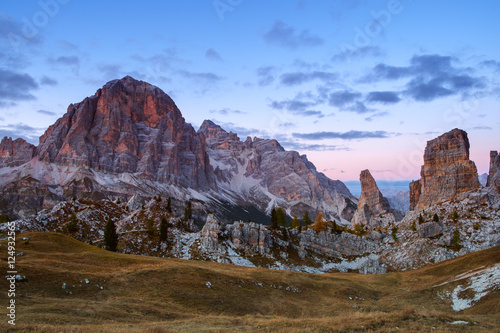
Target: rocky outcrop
<point>374,209</point>
<point>494,175</point>
<point>15,152</point>
<point>262,172</point>
<point>447,171</point>
<point>129,126</point>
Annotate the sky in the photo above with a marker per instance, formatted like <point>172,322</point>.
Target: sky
<point>352,84</point>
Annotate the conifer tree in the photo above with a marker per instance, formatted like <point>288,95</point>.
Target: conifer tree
<point>295,222</point>
<point>188,213</point>
<point>274,219</point>
<point>110,236</point>
<point>163,230</point>
<point>306,219</point>
<point>73,223</point>
<point>281,216</point>
<point>435,218</point>
<point>169,205</point>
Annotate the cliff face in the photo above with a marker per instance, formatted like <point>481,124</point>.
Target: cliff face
<point>447,171</point>
<point>129,126</point>
<point>494,175</point>
<point>373,208</point>
<point>264,173</point>
<point>15,152</point>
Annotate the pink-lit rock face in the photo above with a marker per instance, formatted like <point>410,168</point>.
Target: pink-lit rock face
<point>15,152</point>
<point>374,209</point>
<point>447,170</point>
<point>129,126</point>
<point>494,175</point>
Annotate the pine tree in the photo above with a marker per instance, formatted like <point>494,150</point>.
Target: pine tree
<point>188,213</point>
<point>306,219</point>
<point>163,230</point>
<point>455,242</point>
<point>110,236</point>
<point>281,216</point>
<point>413,226</point>
<point>295,222</point>
<point>73,223</point>
<point>274,219</point>
<point>420,219</point>
<point>169,205</point>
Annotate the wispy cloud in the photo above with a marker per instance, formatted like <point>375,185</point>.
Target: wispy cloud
<point>351,135</point>
<point>15,87</point>
<point>297,78</point>
<point>285,36</point>
<point>365,51</point>
<point>213,55</point>
<point>266,75</point>
<point>384,97</point>
<point>47,113</point>
<point>430,77</point>
<point>20,130</point>
<point>48,81</point>
<point>227,111</point>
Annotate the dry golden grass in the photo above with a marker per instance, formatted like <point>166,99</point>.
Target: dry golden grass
<point>149,294</point>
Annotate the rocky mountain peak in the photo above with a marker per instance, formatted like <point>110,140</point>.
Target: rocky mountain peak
<point>373,208</point>
<point>447,170</point>
<point>15,152</point>
<point>129,126</point>
<point>217,137</point>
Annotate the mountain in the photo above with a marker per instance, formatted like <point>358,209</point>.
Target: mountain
<point>447,171</point>
<point>374,209</point>
<point>130,138</point>
<point>264,173</point>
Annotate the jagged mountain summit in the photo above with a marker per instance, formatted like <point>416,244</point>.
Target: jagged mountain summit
<point>374,209</point>
<point>447,171</point>
<point>130,138</point>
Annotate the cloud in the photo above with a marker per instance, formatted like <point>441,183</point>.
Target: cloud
<point>242,132</point>
<point>349,54</point>
<point>265,75</point>
<point>384,97</point>
<point>67,46</point>
<point>377,115</point>
<point>341,99</point>
<point>351,135</point>
<point>13,34</point>
<point>20,130</point>
<point>297,107</point>
<point>227,111</point>
<point>493,64</point>
<point>311,147</point>
<point>430,77</point>
<point>15,87</point>
<point>208,78</point>
<point>66,61</point>
<point>47,113</point>
<point>213,55</point>
<point>485,128</point>
<point>110,71</point>
<point>286,36</point>
<point>48,81</point>
<point>297,78</point>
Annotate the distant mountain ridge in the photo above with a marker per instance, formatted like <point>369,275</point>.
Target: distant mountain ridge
<point>130,138</point>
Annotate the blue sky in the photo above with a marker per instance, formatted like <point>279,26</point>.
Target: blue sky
<point>352,84</point>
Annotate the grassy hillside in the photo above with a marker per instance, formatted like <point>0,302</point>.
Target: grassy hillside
<point>128,293</point>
